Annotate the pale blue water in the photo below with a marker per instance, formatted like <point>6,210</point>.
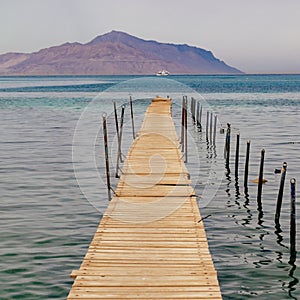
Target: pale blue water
<point>48,217</point>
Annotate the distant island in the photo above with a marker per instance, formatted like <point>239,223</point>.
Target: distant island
<point>114,53</point>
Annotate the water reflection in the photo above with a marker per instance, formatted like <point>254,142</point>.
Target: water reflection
<point>292,284</point>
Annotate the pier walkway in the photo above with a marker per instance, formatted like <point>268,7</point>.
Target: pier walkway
<point>151,242</point>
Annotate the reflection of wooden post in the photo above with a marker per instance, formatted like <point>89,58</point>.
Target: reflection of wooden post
<point>247,165</point>
<point>280,192</point>
<point>106,156</point>
<point>132,120</point>
<point>260,177</point>
<point>293,217</point>
<point>237,153</point>
<point>119,154</point>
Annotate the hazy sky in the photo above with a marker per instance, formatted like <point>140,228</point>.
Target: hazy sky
<point>255,36</point>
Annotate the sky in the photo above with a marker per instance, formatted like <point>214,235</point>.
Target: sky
<point>255,36</point>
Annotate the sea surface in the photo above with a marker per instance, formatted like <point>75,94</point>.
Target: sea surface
<point>53,186</point>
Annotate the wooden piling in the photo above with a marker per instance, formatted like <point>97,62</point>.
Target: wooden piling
<point>193,109</point>
<point>207,123</point>
<point>197,114</point>
<point>116,120</point>
<point>185,131</point>
<point>280,192</point>
<point>200,116</point>
<point>215,129</point>
<point>246,172</point>
<point>237,153</point>
<point>119,153</point>
<point>182,125</point>
<point>106,157</point>
<point>132,118</point>
<point>293,217</point>
<point>260,177</point>
<point>227,145</point>
<point>210,126</point>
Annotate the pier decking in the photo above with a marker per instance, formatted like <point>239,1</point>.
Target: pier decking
<point>151,242</point>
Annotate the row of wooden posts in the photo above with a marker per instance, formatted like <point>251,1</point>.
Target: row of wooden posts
<point>259,189</point>
<point>196,114</point>
<point>119,130</point>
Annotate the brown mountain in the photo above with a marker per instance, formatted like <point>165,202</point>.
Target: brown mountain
<point>114,53</point>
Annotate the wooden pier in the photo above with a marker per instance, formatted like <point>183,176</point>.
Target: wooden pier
<point>151,241</point>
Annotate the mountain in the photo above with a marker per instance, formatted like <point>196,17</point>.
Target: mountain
<point>114,53</point>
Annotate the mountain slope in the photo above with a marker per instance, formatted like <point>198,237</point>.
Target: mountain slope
<point>114,53</point>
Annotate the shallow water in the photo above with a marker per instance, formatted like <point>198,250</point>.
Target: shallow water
<point>49,212</point>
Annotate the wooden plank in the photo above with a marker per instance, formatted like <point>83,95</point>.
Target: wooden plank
<point>150,243</point>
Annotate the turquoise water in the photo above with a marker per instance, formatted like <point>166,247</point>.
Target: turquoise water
<point>53,181</point>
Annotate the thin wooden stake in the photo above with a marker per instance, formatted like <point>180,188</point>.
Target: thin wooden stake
<point>116,120</point>
<point>119,154</point>
<point>106,157</point>
<point>193,102</point>
<point>210,126</point>
<point>198,112</point>
<point>247,165</point>
<point>293,218</point>
<point>215,129</point>
<point>200,117</point>
<point>207,123</point>
<point>185,130</point>
<point>260,177</point>
<point>280,192</point>
<point>227,145</point>
<point>182,125</point>
<point>132,119</point>
<point>237,153</point>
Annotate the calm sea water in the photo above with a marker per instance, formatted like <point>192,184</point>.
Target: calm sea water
<point>53,180</point>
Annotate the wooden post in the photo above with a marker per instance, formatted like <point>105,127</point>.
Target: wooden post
<point>237,153</point>
<point>247,165</point>
<point>116,120</point>
<point>132,119</point>
<point>293,218</point>
<point>185,130</point>
<point>182,125</point>
<point>227,145</point>
<point>215,129</point>
<point>260,177</point>
<point>207,123</point>
<point>193,105</point>
<point>198,112</point>
<point>119,154</point>
<point>106,157</point>
<point>200,117</point>
<point>280,192</point>
<point>210,126</point>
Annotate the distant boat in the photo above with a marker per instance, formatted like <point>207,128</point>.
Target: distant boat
<point>162,73</point>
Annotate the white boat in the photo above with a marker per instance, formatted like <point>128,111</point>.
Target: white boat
<point>162,73</point>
